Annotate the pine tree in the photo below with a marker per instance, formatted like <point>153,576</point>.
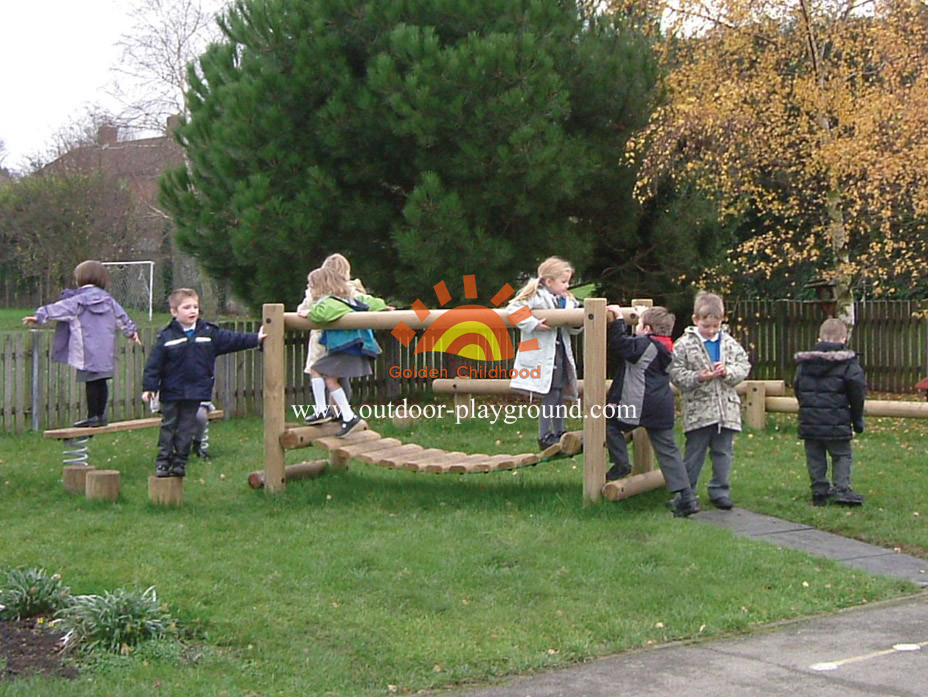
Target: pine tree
<point>423,139</point>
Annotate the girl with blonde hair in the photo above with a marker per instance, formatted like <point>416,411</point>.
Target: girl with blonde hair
<point>551,369</point>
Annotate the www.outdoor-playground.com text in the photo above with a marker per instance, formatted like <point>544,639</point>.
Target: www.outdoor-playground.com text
<point>509,413</point>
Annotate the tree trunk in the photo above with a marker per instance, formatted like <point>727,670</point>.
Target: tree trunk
<point>837,232</point>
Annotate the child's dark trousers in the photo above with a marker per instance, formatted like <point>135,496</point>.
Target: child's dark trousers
<point>178,429</point>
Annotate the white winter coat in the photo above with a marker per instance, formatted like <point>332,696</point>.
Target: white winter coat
<point>544,356</point>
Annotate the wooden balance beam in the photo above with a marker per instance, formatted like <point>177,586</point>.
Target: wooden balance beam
<point>115,427</point>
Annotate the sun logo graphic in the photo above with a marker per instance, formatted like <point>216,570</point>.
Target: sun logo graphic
<point>470,331</point>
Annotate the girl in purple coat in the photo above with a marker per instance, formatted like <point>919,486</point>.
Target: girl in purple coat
<point>84,338</point>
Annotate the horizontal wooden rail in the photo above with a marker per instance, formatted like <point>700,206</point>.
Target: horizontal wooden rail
<point>875,407</point>
<point>501,386</point>
<point>115,427</point>
<point>388,320</point>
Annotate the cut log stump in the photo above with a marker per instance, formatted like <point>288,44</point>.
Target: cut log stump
<point>166,491</point>
<point>74,478</point>
<point>102,485</point>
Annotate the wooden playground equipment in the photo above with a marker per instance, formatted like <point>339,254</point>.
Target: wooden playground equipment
<point>370,447</point>
<point>80,477</point>
<point>759,397</point>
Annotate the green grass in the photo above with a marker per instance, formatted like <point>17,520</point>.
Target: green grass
<point>369,578</point>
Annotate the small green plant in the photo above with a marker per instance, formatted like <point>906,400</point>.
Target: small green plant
<point>31,592</point>
<point>114,622</point>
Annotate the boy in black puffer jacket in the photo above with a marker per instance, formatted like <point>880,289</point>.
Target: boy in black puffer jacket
<point>830,387</point>
<point>180,370</point>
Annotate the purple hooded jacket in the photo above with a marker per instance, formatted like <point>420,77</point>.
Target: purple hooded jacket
<point>87,322</point>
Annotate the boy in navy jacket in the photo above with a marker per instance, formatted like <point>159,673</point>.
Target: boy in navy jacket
<point>830,388</point>
<point>640,395</point>
<point>180,370</point>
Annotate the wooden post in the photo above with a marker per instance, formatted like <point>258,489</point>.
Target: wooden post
<point>102,485</point>
<point>462,402</point>
<point>594,397</point>
<point>74,478</point>
<point>642,455</point>
<point>756,401</point>
<point>166,491</point>
<point>274,401</point>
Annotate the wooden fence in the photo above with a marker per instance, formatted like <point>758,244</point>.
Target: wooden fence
<point>891,342</point>
<point>39,394</point>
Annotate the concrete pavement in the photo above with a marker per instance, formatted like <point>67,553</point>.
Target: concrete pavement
<point>880,649</point>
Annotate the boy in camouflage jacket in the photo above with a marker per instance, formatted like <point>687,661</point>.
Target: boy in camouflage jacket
<point>707,365</point>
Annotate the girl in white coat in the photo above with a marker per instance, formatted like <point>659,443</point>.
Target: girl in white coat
<point>551,370</point>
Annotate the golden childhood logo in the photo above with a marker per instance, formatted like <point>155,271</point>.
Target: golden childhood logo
<point>470,331</point>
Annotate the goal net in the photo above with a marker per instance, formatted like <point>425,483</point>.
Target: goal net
<point>131,283</point>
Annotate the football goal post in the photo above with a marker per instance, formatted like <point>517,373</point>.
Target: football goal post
<point>131,284</point>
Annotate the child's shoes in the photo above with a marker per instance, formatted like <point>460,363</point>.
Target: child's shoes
<point>320,417</point>
<point>848,497</point>
<point>349,426</point>
<point>618,472</point>
<point>686,505</point>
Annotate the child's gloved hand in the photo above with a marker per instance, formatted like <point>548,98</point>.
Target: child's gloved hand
<point>859,426</point>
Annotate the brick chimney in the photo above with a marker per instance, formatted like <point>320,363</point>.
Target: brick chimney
<point>106,135</point>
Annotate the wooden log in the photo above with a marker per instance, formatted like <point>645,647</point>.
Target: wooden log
<point>382,457</point>
<point>166,491</point>
<point>357,436</point>
<point>292,473</point>
<point>756,401</point>
<point>478,463</point>
<point>274,400</point>
<point>102,485</point>
<point>572,442</point>
<point>876,407</point>
<point>418,461</point>
<point>74,478</point>
<point>400,461</point>
<point>594,367</point>
<point>343,454</point>
<point>303,436</point>
<point>442,463</point>
<point>389,320</point>
<point>471,386</point>
<point>115,427</point>
<point>635,484</point>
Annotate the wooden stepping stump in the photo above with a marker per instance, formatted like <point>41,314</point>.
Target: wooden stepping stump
<point>74,478</point>
<point>102,485</point>
<point>166,491</point>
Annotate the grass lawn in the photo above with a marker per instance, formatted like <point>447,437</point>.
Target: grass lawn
<point>374,582</point>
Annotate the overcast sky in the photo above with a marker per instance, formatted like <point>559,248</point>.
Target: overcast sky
<point>55,56</point>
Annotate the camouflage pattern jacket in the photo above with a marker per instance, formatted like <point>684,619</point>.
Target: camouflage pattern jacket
<point>715,401</point>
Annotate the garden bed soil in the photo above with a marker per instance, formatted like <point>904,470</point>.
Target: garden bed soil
<point>28,648</point>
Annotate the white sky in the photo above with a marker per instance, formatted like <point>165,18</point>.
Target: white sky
<point>55,56</point>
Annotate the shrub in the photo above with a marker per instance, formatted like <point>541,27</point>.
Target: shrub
<point>115,622</point>
<point>31,592</point>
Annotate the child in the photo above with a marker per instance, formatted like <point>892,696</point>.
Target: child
<point>349,352</point>
<point>830,387</point>
<point>640,396</point>
<point>557,379</point>
<point>707,364</point>
<point>88,318</point>
<point>180,371</point>
<point>339,264</point>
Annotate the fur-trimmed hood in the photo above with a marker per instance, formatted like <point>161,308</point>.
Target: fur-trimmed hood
<point>832,356</point>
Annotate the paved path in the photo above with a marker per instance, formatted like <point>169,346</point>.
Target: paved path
<point>881,649</point>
